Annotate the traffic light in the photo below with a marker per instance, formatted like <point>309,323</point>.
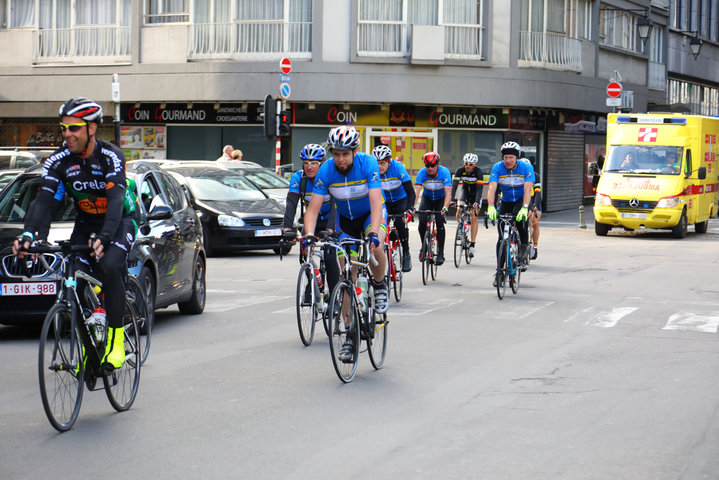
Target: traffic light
<point>270,117</point>
<point>285,129</point>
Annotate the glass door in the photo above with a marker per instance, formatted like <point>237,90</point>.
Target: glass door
<point>408,144</point>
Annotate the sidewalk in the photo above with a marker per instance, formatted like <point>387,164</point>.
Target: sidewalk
<point>567,218</point>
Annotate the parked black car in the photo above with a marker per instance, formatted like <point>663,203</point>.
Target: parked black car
<point>167,257</point>
<point>236,215</point>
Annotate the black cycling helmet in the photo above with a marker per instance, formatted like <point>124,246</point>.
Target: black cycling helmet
<point>82,108</point>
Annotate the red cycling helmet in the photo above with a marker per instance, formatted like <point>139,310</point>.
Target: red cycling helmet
<point>431,159</point>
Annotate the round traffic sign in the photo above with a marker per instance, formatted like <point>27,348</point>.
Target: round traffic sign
<point>285,65</point>
<point>614,89</point>
<point>285,90</point>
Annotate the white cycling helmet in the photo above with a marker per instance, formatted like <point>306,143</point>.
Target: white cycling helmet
<point>471,158</point>
<point>343,138</point>
<point>382,152</point>
<point>510,148</point>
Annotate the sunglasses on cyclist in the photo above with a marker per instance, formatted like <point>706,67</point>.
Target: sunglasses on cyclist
<point>74,128</point>
<point>311,163</point>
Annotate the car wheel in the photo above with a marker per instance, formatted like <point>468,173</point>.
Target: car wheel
<point>196,303</point>
<point>601,229</point>
<point>147,282</point>
<point>680,230</point>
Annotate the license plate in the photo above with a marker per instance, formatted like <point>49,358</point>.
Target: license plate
<point>271,232</point>
<point>634,215</point>
<point>27,289</point>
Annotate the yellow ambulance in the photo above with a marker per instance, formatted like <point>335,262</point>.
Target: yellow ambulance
<point>660,172</point>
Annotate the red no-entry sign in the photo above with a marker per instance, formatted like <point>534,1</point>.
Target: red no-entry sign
<point>285,65</point>
<point>614,89</point>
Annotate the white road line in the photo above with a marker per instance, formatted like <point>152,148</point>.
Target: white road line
<point>692,321</point>
<point>224,306</point>
<point>603,319</point>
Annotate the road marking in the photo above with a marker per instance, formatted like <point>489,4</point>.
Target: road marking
<point>601,318</point>
<point>242,302</point>
<point>692,321</point>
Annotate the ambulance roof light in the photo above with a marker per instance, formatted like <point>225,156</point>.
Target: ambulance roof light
<point>626,119</point>
<point>678,120</point>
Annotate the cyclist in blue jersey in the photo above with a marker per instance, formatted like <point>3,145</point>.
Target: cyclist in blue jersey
<point>515,180</point>
<point>398,195</point>
<point>436,180</point>
<point>352,180</point>
<point>300,192</point>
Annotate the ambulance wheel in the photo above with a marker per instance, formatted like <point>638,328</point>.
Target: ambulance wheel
<point>701,227</point>
<point>601,229</point>
<point>681,229</point>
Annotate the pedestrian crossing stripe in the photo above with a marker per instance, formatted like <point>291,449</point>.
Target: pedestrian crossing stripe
<point>692,321</point>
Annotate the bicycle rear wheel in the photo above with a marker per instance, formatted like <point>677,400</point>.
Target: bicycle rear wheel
<point>377,343</point>
<point>136,295</point>
<point>121,384</point>
<point>342,305</point>
<point>60,368</point>
<point>398,274</point>
<point>306,304</point>
<point>458,244</point>
<point>501,275</point>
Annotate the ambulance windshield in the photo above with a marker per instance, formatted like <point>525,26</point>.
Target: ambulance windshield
<point>658,159</point>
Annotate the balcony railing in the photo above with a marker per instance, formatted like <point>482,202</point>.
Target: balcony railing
<point>250,40</point>
<point>83,44</point>
<point>463,41</point>
<point>551,51</point>
<point>657,76</point>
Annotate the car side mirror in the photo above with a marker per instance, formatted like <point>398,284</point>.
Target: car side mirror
<point>702,173</point>
<point>160,212</point>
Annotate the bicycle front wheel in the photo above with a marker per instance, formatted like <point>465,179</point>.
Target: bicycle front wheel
<point>501,275</point>
<point>458,244</point>
<point>344,324</point>
<point>426,253</point>
<point>136,295</point>
<point>121,384</point>
<point>435,252</point>
<point>377,342</point>
<point>515,270</point>
<point>60,368</point>
<point>306,304</point>
<point>397,274</point>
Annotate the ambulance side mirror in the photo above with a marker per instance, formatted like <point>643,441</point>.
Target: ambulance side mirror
<point>702,173</point>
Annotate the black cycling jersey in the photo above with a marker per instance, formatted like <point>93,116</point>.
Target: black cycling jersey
<point>97,186</point>
<point>472,182</point>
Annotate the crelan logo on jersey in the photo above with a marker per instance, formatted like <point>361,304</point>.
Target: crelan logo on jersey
<point>91,185</point>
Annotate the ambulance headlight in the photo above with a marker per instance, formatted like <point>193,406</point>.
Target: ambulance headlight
<point>603,200</point>
<point>668,202</point>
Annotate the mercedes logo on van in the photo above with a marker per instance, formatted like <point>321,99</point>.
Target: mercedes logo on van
<point>266,222</point>
<point>634,203</point>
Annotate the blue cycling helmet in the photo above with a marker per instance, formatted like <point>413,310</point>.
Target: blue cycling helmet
<point>312,151</point>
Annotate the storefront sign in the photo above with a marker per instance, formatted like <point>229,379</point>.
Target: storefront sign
<point>227,113</point>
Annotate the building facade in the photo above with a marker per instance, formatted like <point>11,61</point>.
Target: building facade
<point>448,75</point>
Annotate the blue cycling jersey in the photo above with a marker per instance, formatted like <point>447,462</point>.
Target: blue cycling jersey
<point>434,186</point>
<point>295,184</point>
<point>392,181</point>
<point>511,182</point>
<point>350,192</point>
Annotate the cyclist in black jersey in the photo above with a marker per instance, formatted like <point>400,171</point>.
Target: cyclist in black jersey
<point>472,179</point>
<point>92,172</point>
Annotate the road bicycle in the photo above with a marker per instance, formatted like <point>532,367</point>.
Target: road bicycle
<point>352,313</point>
<point>430,247</point>
<point>72,344</point>
<point>312,291</point>
<point>508,261</point>
<point>462,238</point>
<point>395,254</point>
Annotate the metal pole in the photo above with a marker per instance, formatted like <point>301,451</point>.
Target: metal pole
<point>582,224</point>
<point>116,101</point>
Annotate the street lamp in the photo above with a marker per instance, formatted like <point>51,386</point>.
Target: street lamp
<point>644,25</point>
<point>695,45</point>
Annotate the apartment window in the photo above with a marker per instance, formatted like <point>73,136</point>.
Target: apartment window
<point>167,11</point>
<point>17,13</point>
<point>566,17</point>
<point>251,28</point>
<point>618,28</point>
<point>385,26</point>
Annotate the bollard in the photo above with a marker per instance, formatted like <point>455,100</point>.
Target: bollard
<point>582,224</point>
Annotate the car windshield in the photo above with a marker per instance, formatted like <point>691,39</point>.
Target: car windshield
<point>658,159</point>
<point>223,188</point>
<point>16,198</point>
<point>267,179</point>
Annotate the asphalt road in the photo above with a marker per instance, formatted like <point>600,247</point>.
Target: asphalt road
<point>601,367</point>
